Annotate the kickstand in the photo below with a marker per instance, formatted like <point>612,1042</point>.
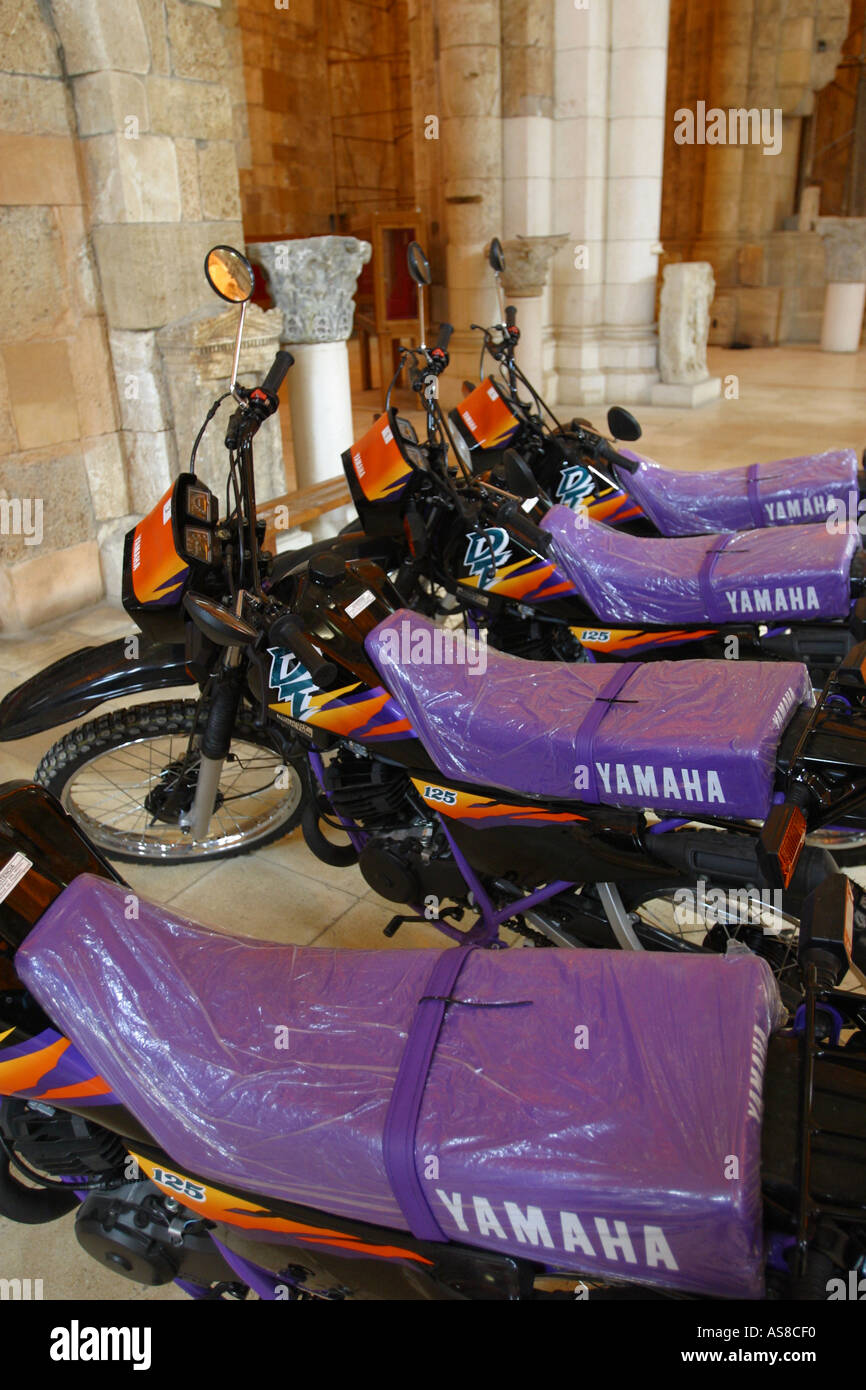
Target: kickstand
<point>397,922</point>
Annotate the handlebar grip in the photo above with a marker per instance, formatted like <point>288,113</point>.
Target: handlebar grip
<point>519,523</point>
<point>287,632</point>
<point>510,315</point>
<point>610,454</point>
<point>277,374</point>
<point>445,331</point>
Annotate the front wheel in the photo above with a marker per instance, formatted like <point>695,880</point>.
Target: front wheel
<point>123,779</point>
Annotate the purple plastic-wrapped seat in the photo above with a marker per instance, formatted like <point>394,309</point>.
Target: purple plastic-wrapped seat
<point>610,1119</point>
<point>783,493</point>
<point>686,736</point>
<point>790,573</point>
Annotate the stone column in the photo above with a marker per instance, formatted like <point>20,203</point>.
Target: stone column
<point>527,259</point>
<point>471,132</point>
<point>313,282</point>
<point>845,249</point>
<point>636,112</point>
<point>582,38</point>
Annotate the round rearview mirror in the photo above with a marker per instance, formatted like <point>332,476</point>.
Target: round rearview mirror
<point>229,273</point>
<point>622,424</point>
<point>496,256</point>
<point>419,266</point>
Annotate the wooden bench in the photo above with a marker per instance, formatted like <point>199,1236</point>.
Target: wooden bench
<point>296,509</point>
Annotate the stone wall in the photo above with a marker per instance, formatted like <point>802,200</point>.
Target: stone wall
<point>728,204</point>
<point>329,125</point>
<point>59,446</point>
<point>118,172</point>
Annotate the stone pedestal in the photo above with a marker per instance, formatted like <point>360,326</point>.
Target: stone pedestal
<point>684,324</point>
<point>845,251</point>
<point>312,281</point>
<point>196,355</point>
<point>527,261</point>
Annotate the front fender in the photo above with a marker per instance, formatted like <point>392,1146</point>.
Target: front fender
<point>71,687</point>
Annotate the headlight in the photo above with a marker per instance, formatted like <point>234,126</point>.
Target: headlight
<point>198,543</point>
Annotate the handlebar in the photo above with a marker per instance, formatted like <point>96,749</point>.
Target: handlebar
<point>510,315</point>
<point>288,632</point>
<point>277,374</point>
<point>519,523</point>
<point>445,331</point>
<point>610,455</point>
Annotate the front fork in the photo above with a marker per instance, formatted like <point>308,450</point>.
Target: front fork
<point>216,740</point>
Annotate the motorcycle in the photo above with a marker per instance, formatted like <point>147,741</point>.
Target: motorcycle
<point>130,777</point>
<point>551,583</point>
<point>240,1116</point>
<point>578,467</point>
<point>566,803</point>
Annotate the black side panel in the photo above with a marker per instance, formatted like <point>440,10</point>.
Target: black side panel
<point>35,828</point>
<point>76,684</point>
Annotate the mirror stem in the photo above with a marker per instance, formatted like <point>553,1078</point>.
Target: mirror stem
<point>421,323</point>
<point>237,357</point>
<point>500,294</point>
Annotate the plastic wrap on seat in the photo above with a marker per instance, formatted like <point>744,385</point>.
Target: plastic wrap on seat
<point>679,736</point>
<point>790,574</point>
<point>609,1120</point>
<point>783,493</point>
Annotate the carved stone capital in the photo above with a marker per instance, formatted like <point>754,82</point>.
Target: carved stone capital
<point>527,259</point>
<point>844,248</point>
<point>313,281</point>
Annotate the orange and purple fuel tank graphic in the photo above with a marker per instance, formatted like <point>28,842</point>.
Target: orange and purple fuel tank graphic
<point>636,639</point>
<point>216,1205</point>
<point>49,1068</point>
<point>485,813</point>
<point>380,468</point>
<point>158,572</point>
<point>488,416</point>
<point>366,713</point>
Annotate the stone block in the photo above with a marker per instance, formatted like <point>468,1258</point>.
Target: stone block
<point>187,174</point>
<point>684,321</point>
<point>152,274</point>
<point>218,181</point>
<point>106,476</point>
<point>31,256</point>
<point>750,264</point>
<point>26,41</point>
<point>110,538</point>
<point>55,488</point>
<point>38,169</point>
<point>196,110</point>
<point>110,102</point>
<point>196,41</point>
<point>723,319</point>
<point>687,397</point>
<point>49,585</point>
<point>132,180</point>
<point>101,34</point>
<point>80,271</point>
<point>92,375</point>
<point>8,437</point>
<point>138,375</point>
<point>32,105</point>
<point>41,393</point>
<point>153,17</point>
<point>758,316</point>
<point>151,468</point>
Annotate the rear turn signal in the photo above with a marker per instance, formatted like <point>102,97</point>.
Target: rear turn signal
<point>780,843</point>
